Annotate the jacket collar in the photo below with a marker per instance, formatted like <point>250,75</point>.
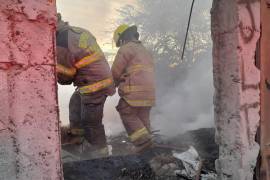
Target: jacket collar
<point>62,26</point>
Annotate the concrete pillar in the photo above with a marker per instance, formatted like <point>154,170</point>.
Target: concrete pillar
<point>265,87</point>
<point>235,32</point>
<point>29,132</point>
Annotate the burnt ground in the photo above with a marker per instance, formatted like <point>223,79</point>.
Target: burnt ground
<point>112,168</point>
<point>122,166</point>
<point>204,142</point>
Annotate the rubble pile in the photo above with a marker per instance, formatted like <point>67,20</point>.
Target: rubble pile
<point>187,156</point>
<point>203,140</point>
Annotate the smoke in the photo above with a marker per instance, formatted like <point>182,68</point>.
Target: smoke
<point>64,94</point>
<point>185,105</point>
<point>188,104</point>
<point>112,122</point>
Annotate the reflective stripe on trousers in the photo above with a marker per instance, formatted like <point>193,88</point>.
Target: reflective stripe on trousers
<point>140,103</point>
<point>86,112</point>
<point>138,134</point>
<point>136,121</point>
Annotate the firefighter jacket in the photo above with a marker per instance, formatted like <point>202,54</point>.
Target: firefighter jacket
<point>81,61</point>
<point>133,73</point>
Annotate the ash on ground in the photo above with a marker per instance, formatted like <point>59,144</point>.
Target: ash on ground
<point>159,163</point>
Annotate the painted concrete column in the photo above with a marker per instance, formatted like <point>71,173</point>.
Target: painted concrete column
<point>235,32</point>
<point>29,132</point>
<point>265,90</point>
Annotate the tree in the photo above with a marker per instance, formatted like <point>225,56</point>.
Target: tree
<point>162,24</point>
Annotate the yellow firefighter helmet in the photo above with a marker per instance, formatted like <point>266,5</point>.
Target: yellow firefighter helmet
<point>119,31</point>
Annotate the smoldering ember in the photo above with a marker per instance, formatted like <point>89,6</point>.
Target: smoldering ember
<point>134,90</point>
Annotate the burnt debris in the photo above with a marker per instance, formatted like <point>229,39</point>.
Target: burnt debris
<point>155,164</point>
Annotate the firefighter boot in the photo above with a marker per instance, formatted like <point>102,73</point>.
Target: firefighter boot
<point>96,147</point>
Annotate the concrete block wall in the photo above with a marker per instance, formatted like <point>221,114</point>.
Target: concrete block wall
<point>235,32</point>
<point>29,127</point>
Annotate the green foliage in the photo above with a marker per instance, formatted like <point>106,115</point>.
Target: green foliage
<point>163,23</point>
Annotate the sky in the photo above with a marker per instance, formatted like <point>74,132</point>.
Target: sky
<point>97,16</point>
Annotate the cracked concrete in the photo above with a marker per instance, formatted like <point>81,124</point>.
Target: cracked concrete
<point>29,127</point>
<point>235,32</point>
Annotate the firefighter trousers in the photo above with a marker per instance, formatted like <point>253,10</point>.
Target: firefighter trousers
<point>136,121</point>
<point>86,112</point>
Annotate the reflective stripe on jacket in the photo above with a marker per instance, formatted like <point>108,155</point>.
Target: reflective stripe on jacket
<point>133,73</point>
<point>81,61</point>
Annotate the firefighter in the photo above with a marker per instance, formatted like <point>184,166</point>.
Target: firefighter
<point>81,61</point>
<point>133,73</point>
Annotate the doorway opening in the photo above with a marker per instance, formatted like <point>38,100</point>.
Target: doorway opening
<point>183,115</point>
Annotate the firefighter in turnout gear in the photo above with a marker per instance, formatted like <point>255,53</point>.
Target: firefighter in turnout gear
<point>81,61</point>
<point>133,73</point>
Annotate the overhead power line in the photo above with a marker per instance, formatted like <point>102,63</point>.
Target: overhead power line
<point>189,19</point>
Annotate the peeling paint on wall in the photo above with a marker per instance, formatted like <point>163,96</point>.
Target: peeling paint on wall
<point>235,32</point>
<point>29,127</point>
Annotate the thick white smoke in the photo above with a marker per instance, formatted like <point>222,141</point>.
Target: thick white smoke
<point>188,104</point>
<point>64,94</point>
<point>111,119</point>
